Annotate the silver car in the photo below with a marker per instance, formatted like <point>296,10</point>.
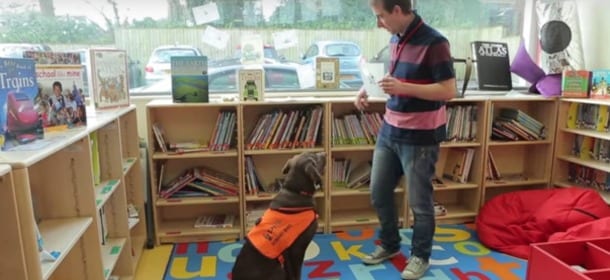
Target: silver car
<point>158,66</point>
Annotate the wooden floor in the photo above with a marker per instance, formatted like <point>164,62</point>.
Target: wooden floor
<point>153,262</point>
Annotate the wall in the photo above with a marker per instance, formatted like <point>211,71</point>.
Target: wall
<point>594,23</point>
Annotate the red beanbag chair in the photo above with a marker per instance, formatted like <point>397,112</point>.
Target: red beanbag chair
<point>595,229</point>
<point>510,222</point>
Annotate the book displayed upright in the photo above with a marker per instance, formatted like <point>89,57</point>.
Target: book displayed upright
<point>492,65</point>
<point>600,86</point>
<point>20,120</point>
<point>189,79</point>
<point>575,83</point>
<point>327,72</point>
<point>251,84</point>
<point>107,74</point>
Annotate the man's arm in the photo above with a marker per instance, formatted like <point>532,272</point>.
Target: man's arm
<point>443,90</point>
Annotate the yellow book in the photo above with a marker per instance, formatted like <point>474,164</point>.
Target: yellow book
<point>572,115</point>
<point>602,118</point>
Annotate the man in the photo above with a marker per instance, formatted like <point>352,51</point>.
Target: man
<point>420,79</point>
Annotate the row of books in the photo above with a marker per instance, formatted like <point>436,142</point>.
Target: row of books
<point>351,176</point>
<point>462,123</point>
<point>586,84</point>
<point>254,184</point>
<point>286,129</point>
<point>588,116</point>
<point>215,221</point>
<point>356,129</point>
<point>590,148</point>
<point>253,212</point>
<point>590,177</point>
<point>199,181</point>
<point>492,173</point>
<point>223,137</point>
<point>458,164</point>
<point>516,125</point>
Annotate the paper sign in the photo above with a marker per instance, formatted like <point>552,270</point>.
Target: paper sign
<point>215,38</point>
<point>285,39</point>
<point>206,13</point>
<point>252,49</point>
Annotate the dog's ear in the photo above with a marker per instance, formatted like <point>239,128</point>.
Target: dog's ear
<point>312,171</point>
<point>287,166</point>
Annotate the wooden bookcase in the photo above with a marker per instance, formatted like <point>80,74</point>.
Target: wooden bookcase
<point>340,208</point>
<point>12,254</point>
<point>566,150</point>
<point>522,164</point>
<point>55,191</point>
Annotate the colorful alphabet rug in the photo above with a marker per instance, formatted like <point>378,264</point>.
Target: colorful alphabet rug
<point>456,254</point>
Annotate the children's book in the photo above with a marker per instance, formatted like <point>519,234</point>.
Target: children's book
<point>575,83</point>
<point>600,86</point>
<point>189,79</point>
<point>327,72</point>
<point>251,84</point>
<point>61,101</point>
<point>20,119</point>
<point>107,74</point>
<point>492,65</point>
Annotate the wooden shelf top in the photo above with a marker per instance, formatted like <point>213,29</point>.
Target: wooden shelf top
<point>4,169</point>
<point>210,154</point>
<point>110,254</point>
<point>104,191</point>
<point>266,196</point>
<point>588,132</point>
<point>352,148</point>
<point>519,143</point>
<point>342,191</point>
<point>587,162</point>
<point>196,200</point>
<point>187,228</point>
<point>513,183</point>
<point>168,102</point>
<point>282,151</point>
<point>451,186</point>
<point>29,154</point>
<point>61,235</point>
<point>587,101</point>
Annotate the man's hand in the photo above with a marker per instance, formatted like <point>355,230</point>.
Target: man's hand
<point>391,85</point>
<point>361,101</point>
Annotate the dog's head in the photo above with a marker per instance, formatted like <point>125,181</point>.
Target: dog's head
<point>305,170</point>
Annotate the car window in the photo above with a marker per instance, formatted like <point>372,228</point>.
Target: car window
<point>163,56</point>
<point>342,50</point>
<point>312,51</point>
<point>281,79</point>
<point>222,81</point>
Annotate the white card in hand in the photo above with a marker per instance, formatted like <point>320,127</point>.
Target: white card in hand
<point>371,74</point>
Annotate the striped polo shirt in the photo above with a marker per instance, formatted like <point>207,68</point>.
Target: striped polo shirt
<point>425,59</point>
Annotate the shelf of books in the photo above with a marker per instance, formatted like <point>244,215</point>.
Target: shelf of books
<point>195,171</point>
<point>459,169</point>
<point>519,144</point>
<point>12,254</point>
<point>582,149</point>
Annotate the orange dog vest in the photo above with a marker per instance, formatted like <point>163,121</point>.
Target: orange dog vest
<point>277,231</point>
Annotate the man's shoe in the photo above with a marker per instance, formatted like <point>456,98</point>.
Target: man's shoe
<point>379,255</point>
<point>416,268</point>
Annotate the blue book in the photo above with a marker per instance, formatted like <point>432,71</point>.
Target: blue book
<point>189,79</point>
<point>20,120</point>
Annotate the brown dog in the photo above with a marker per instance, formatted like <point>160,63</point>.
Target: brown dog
<point>275,247</point>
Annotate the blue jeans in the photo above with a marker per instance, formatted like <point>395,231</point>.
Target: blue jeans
<point>392,159</point>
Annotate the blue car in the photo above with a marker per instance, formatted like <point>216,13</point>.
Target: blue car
<point>349,54</point>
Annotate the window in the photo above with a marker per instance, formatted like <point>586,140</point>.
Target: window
<point>294,32</point>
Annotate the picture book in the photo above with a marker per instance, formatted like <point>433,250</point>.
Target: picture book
<point>251,84</point>
<point>189,79</point>
<point>600,88</point>
<point>107,73</point>
<point>61,100</point>
<point>327,72</point>
<point>20,119</point>
<point>575,83</point>
<point>252,49</point>
<point>492,65</point>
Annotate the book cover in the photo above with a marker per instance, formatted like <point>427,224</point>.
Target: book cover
<point>327,71</point>
<point>252,49</point>
<point>575,83</point>
<point>20,119</point>
<point>251,85</point>
<point>107,73</point>
<point>492,65</point>
<point>61,100</point>
<point>600,89</point>
<point>189,79</point>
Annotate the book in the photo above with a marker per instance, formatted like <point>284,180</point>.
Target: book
<point>252,49</point>
<point>189,76</point>
<point>107,74</point>
<point>251,84</point>
<point>61,102</point>
<point>20,119</point>
<point>575,83</point>
<point>492,65</point>
<point>600,89</point>
<point>327,72</point>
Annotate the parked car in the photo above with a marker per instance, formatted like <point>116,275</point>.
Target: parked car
<point>349,54</point>
<point>158,66</point>
<point>382,56</point>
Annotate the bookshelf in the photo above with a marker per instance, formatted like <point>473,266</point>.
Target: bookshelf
<point>65,203</point>
<point>339,207</point>
<point>12,254</point>
<point>522,164</point>
<point>582,149</point>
